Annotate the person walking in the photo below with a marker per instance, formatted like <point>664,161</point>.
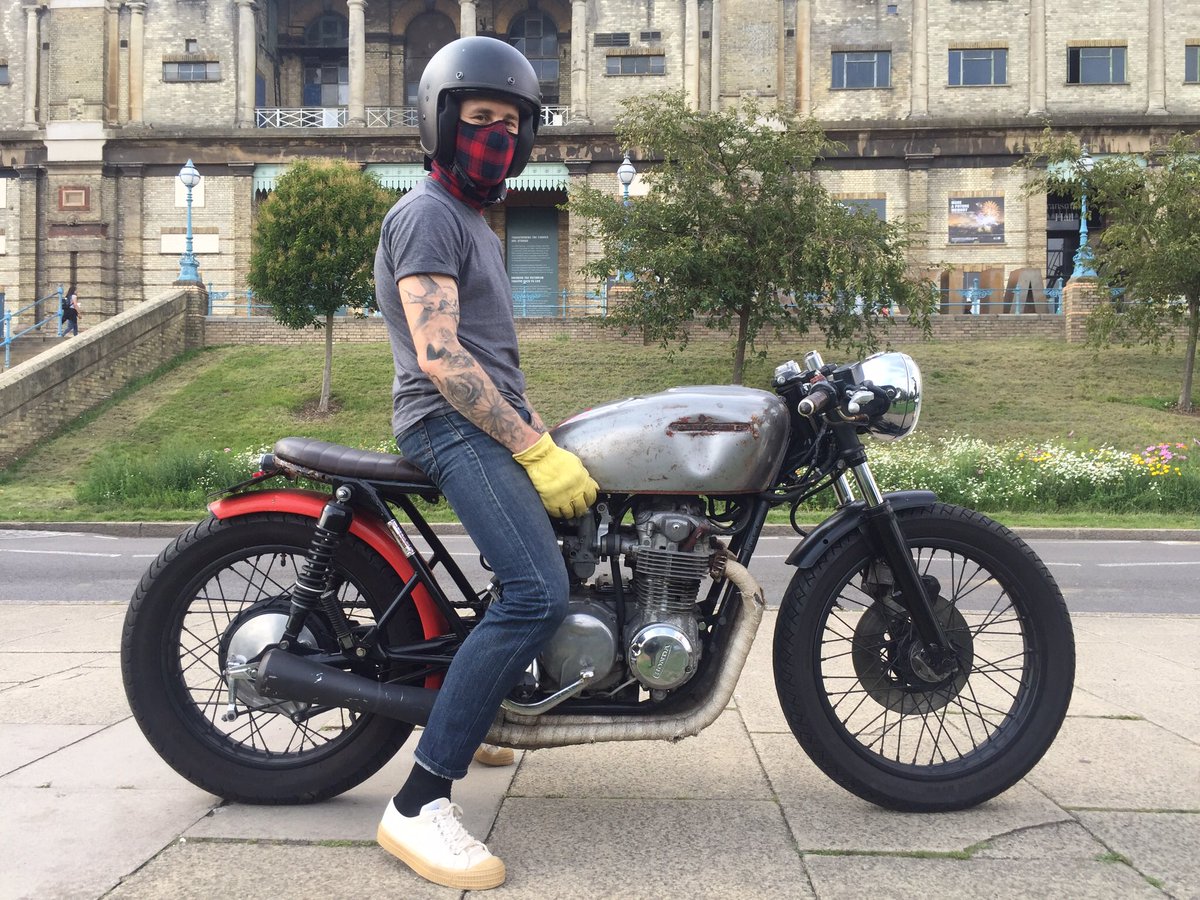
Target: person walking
<point>70,312</point>
<point>461,414</point>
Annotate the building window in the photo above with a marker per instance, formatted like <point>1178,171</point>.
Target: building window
<point>191,71</point>
<point>872,206</point>
<point>427,34</point>
<point>1095,65</point>
<point>330,30</point>
<point>978,67</point>
<point>1191,64</point>
<point>862,69</point>
<point>536,36</point>
<point>651,37</point>
<point>637,65</point>
<point>610,39</point>
<point>4,74</point>
<point>326,84</point>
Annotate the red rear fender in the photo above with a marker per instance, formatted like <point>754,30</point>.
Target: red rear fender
<point>365,527</point>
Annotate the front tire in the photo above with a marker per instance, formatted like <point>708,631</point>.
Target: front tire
<point>174,648</point>
<point>872,716</point>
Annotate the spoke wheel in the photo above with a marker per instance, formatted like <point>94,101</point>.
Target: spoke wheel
<point>905,731</point>
<point>216,596</point>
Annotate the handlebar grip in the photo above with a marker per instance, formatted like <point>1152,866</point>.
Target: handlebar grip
<point>815,402</point>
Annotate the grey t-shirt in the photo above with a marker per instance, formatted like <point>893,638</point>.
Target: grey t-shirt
<point>430,232</point>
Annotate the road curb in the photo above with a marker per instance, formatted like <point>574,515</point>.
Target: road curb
<point>172,529</point>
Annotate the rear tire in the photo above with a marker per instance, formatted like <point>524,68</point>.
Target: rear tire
<point>858,700</point>
<point>172,661</point>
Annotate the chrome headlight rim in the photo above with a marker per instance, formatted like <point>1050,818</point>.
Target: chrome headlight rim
<point>898,375</point>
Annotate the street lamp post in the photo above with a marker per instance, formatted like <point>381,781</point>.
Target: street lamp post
<point>188,268</point>
<point>626,173</point>
<point>1083,256</point>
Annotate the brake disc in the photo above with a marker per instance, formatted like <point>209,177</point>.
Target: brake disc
<point>888,659</point>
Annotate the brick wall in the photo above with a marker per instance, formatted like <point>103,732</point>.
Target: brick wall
<point>955,24</point>
<point>1124,22</point>
<point>214,25</point>
<point>40,396</point>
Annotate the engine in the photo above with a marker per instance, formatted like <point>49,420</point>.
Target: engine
<point>655,639</point>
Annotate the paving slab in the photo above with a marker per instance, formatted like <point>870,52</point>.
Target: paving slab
<point>824,816</point>
<point>85,695</point>
<point>206,869</point>
<point>853,877</point>
<point>1085,703</point>
<point>755,692</point>
<point>18,668</point>
<point>26,743</point>
<point>96,625</point>
<point>719,763</point>
<point>571,849</point>
<point>78,843</point>
<point>1162,690</point>
<point>1058,840</point>
<point>1115,764</point>
<point>355,814</point>
<point>1164,846</point>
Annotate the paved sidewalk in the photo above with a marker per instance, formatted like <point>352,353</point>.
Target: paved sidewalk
<point>1113,811</point>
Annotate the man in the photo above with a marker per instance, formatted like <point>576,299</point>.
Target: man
<point>460,412</point>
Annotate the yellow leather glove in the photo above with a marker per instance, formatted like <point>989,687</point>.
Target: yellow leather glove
<point>559,477</point>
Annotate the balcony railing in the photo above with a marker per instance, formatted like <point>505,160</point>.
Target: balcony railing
<point>377,116</point>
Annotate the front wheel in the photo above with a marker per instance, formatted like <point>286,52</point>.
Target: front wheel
<point>215,596</point>
<point>868,708</point>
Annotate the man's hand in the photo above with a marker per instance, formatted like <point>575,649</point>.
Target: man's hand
<point>561,480</point>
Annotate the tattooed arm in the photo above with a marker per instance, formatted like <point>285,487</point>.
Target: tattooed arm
<point>431,307</point>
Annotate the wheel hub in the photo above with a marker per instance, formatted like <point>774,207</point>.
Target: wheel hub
<point>245,639</point>
<point>891,662</point>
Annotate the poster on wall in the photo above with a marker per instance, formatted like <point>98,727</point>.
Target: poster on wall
<point>976,220</point>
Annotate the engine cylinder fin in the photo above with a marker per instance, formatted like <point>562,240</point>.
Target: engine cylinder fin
<point>668,580</point>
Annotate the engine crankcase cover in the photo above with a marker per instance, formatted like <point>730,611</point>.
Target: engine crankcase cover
<point>587,639</point>
<point>717,439</point>
<point>661,656</point>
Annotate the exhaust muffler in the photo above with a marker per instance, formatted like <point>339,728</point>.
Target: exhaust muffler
<point>286,676</point>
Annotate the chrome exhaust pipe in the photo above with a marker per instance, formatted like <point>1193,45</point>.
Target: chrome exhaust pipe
<point>286,676</point>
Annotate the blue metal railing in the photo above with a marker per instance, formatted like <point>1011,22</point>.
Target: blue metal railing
<point>6,328</point>
<point>987,301</point>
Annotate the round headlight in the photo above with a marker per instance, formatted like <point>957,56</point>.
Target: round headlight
<point>898,375</point>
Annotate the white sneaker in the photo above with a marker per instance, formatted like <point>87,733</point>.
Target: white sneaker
<point>435,845</point>
<point>491,755</point>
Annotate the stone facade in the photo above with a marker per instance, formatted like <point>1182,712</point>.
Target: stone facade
<point>95,122</point>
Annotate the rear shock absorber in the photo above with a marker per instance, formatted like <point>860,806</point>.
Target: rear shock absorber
<point>312,588</point>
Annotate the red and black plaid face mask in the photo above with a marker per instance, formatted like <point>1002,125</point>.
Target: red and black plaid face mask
<point>484,152</point>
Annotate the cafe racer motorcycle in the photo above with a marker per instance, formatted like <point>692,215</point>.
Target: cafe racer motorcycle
<point>283,649</point>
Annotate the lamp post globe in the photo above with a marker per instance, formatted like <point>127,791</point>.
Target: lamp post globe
<point>189,177</point>
<point>626,173</point>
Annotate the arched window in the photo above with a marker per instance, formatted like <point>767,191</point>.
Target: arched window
<point>536,35</point>
<point>427,34</point>
<point>326,61</point>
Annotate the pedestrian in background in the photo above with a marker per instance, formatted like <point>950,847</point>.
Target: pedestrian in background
<point>70,312</point>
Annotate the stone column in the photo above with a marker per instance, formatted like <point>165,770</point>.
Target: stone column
<point>1037,57</point>
<point>467,18</point>
<point>358,63</point>
<point>919,101</point>
<point>691,53</point>
<point>32,46</point>
<point>137,59</point>
<point>1080,298</point>
<point>804,57</point>
<point>579,61</point>
<point>714,75</point>
<point>247,63</point>
<point>1156,101</point>
<point>112,61</point>
<point>130,201</point>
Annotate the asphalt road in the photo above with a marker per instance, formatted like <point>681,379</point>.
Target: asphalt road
<point>1159,577</point>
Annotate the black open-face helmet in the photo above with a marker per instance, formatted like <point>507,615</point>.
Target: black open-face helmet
<point>476,65</point>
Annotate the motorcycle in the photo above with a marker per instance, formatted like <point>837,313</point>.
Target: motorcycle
<point>284,648</point>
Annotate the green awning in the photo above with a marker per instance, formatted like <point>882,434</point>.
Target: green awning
<point>405,176</point>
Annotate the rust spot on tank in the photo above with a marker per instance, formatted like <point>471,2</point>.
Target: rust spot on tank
<point>706,425</point>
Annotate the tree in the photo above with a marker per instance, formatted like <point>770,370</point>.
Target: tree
<point>1148,256</point>
<point>738,230</point>
<point>314,245</point>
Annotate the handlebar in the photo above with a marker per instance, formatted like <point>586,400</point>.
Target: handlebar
<point>820,395</point>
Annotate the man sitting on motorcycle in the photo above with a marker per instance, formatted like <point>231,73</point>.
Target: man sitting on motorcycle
<point>460,412</point>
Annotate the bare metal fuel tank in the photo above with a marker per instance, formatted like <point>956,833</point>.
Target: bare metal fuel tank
<point>687,440</point>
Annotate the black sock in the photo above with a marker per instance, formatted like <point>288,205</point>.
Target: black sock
<point>422,787</point>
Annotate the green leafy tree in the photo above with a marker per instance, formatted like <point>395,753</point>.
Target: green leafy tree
<point>737,232</point>
<point>314,245</point>
<point>1148,255</point>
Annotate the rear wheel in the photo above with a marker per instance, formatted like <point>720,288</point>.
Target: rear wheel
<point>884,722</point>
<point>213,597</point>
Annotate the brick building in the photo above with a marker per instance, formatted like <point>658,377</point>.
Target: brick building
<point>102,102</point>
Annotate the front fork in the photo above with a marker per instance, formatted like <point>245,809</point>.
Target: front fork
<point>908,588</point>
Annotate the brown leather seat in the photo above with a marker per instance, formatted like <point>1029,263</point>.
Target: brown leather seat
<point>346,462</point>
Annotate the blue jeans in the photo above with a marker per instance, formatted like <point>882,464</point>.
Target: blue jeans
<point>497,504</point>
